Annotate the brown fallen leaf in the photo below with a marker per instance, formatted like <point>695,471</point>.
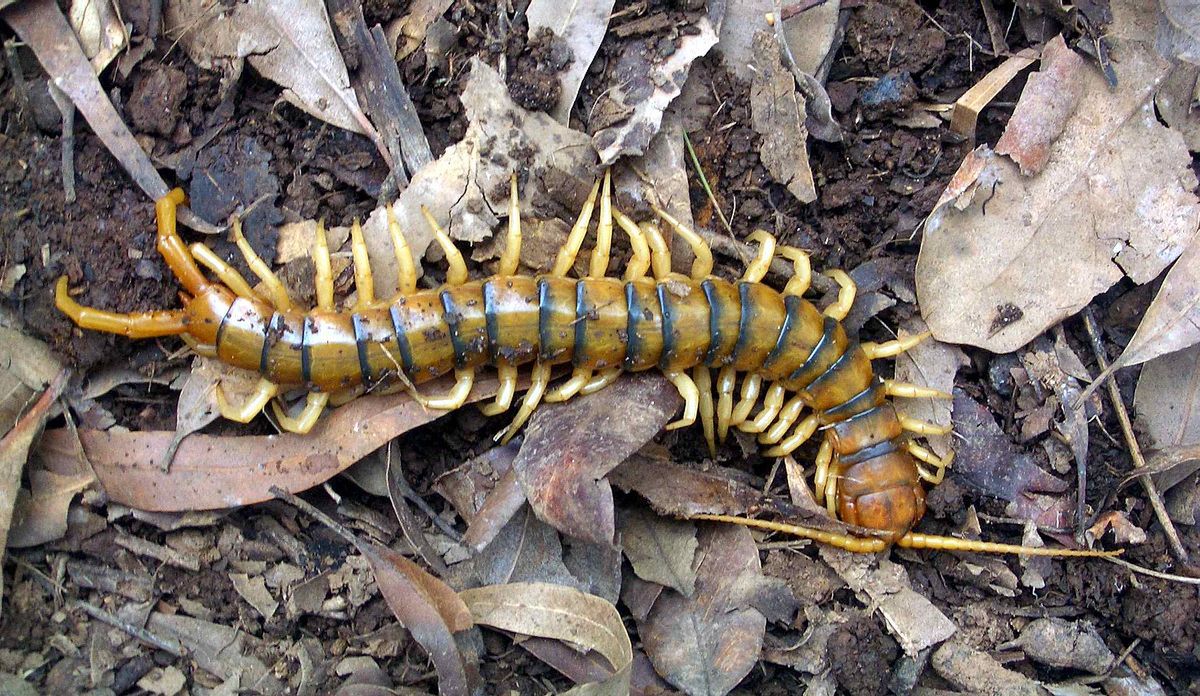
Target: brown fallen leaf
<point>211,472</point>
<point>708,643</point>
<point>222,651</point>
<point>582,26</point>
<point>569,448</point>
<point>1125,532</point>
<point>561,613</point>
<point>972,102</point>
<point>777,113</point>
<point>977,672</point>
<point>40,514</point>
<point>660,550</point>
<point>525,550</point>
<point>98,26</point>
<point>406,33</point>
<point>1050,98</point>
<point>676,490</point>
<point>1167,400</point>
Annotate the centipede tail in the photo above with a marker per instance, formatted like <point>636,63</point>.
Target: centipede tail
<point>798,370</point>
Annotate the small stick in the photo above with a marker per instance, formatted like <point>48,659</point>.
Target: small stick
<point>1139,462</point>
<point>170,645</point>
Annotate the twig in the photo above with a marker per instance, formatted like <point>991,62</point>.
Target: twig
<point>1153,573</point>
<point>712,198</point>
<point>170,645</point>
<point>316,514</point>
<point>408,521</point>
<point>1139,462</point>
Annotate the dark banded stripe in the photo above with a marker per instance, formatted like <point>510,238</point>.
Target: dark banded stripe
<point>826,340</point>
<point>714,322</point>
<point>491,324</point>
<point>860,403</point>
<point>406,359</point>
<point>869,452</point>
<point>633,337</point>
<point>305,351</point>
<point>581,315</point>
<point>543,318</point>
<point>668,327</point>
<point>272,329</point>
<point>451,315</point>
<point>221,327</point>
<point>360,342</point>
<point>747,312</point>
<point>792,304</point>
<point>831,373</point>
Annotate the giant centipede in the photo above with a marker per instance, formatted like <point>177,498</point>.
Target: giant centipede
<point>788,355</point>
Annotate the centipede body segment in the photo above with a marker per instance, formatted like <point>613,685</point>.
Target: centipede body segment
<point>742,354</point>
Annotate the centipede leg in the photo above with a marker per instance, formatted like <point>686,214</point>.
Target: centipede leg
<point>578,380</point>
<point>251,407</point>
<point>639,263</point>
<point>601,380</point>
<point>913,391</point>
<point>364,278</point>
<point>702,376</point>
<point>314,404</point>
<point>504,395</point>
<point>940,464</point>
<point>225,273</point>
<point>762,261</point>
<point>406,272</point>
<point>566,255</point>
<point>660,255</point>
<point>456,397</point>
<point>702,265</point>
<point>691,399</point>
<point>831,485</point>
<point>801,270</point>
<point>846,292</point>
<point>787,416</point>
<point>538,381</point>
<point>171,246</point>
<point>921,427</point>
<point>456,271</point>
<point>821,470</point>
<point>604,228</point>
<point>726,380</point>
<point>750,389</point>
<point>799,436</point>
<point>895,347</point>
<point>772,403</point>
<point>323,278</point>
<point>275,289</point>
<point>139,325</point>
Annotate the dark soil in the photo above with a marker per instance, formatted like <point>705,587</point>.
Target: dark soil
<point>874,188</point>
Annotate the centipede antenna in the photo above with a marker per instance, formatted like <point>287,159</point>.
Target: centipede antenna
<point>842,541</point>
<point>604,228</point>
<point>801,270</point>
<point>323,276</point>
<point>895,347</point>
<point>275,289</point>
<point>511,258</point>
<point>406,271</point>
<point>691,399</point>
<point>762,260</point>
<point>225,273</point>
<point>639,263</point>
<point>566,255</point>
<point>913,540</point>
<point>847,289</point>
<point>702,376</point>
<point>456,271</point>
<point>702,265</point>
<point>364,279</point>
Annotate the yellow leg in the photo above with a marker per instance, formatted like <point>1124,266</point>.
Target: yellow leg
<point>579,379</point>
<point>726,380</point>
<point>691,399</point>
<point>640,262</point>
<point>940,464</point>
<point>504,395</point>
<point>251,407</point>
<point>456,397</point>
<point>772,403</point>
<point>364,279</point>
<point>660,255</point>
<point>226,273</point>
<point>702,376</point>
<point>604,229</point>
<point>406,271</point>
<point>275,289</point>
<point>921,427</point>
<point>139,325</point>
<point>323,279</point>
<point>702,265</point>
<point>601,380</point>
<point>511,257</point>
<point>766,251</point>
<point>821,470</point>
<point>537,387</point>
<point>831,486</point>
<point>801,271</point>
<point>750,388</point>
<point>893,348</point>
<point>314,404</point>
<point>787,415</point>
<point>456,272</point>
<point>912,391</point>
<point>799,436</point>
<point>566,256</point>
<point>171,246</point>
<point>839,309</point>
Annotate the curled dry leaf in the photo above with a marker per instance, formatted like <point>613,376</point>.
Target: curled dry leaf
<point>582,26</point>
<point>1048,101</point>
<point>987,460</point>
<point>561,613</point>
<point>1167,401</point>
<point>569,448</point>
<point>1005,256</point>
<point>1172,322</point>
<point>211,472</point>
<point>407,33</point>
<point>707,643</point>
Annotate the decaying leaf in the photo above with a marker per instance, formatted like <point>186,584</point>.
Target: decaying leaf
<point>41,512</point>
<point>525,550</point>
<point>1050,98</point>
<point>1005,256</point>
<point>707,643</point>
<point>582,26</point>
<point>660,550</point>
<point>777,113</point>
<point>1167,400</point>
<point>222,651</point>
<point>562,613</point>
<point>651,86</point>
<point>197,405</point>
<point>988,461</point>
<point>976,672</point>
<point>1172,322</point>
<point>1175,100</point>
<point>100,31</point>
<point>406,33</point>
<point>676,490</point>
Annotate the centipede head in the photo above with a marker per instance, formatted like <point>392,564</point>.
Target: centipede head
<point>883,492</point>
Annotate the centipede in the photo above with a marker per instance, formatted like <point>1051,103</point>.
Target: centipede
<point>740,353</point>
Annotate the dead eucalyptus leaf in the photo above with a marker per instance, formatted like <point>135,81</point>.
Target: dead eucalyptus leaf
<point>197,405</point>
<point>582,26</point>
<point>98,26</point>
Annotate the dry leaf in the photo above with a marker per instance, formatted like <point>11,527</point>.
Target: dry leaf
<point>99,30</point>
<point>660,550</point>
<point>562,613</point>
<point>987,460</point>
<point>1172,321</point>
<point>777,114</point>
<point>582,26</point>
<point>41,512</point>
<point>525,550</point>
<point>197,405</point>
<point>408,32</point>
<point>223,651</point>
<point>1175,100</point>
<point>977,672</point>
<point>1167,400</point>
<point>1006,256</point>
<point>708,643</point>
<point>1050,98</point>
<point>677,490</point>
<point>968,106</point>
<point>1179,30</point>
